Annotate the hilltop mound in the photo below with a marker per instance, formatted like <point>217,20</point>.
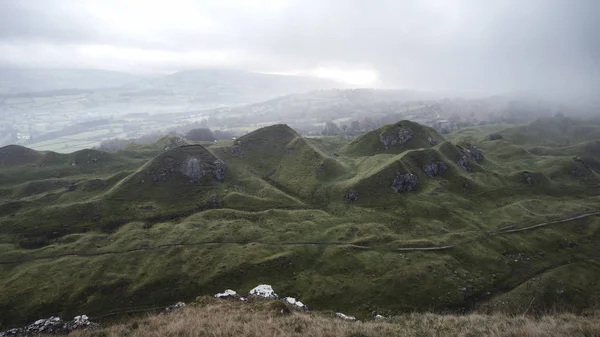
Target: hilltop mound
<point>394,139</point>
<point>283,158</point>
<point>18,155</point>
<point>183,175</point>
<point>553,132</point>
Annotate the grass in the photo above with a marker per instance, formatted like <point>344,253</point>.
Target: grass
<point>114,243</point>
<point>264,318</point>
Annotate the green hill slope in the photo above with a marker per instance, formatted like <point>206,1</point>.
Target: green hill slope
<point>452,223</point>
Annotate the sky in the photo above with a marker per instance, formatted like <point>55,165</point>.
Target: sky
<point>495,45</point>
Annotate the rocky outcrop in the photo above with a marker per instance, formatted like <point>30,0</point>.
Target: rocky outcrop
<point>229,294</point>
<point>432,141</point>
<point>174,307</point>
<point>345,317</point>
<point>351,196</point>
<point>464,163</point>
<point>404,182</point>
<point>51,326</point>
<point>435,168</point>
<point>397,135</point>
<point>297,304</point>
<point>195,169</point>
<point>264,291</point>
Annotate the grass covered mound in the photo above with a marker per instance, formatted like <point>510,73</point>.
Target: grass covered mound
<point>395,138</point>
<point>466,223</point>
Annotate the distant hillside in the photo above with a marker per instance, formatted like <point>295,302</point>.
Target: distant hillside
<point>13,81</point>
<point>226,86</point>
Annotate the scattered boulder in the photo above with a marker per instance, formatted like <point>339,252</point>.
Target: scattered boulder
<point>351,196</point>
<point>528,178</point>
<point>265,291</point>
<point>398,135</point>
<point>476,154</point>
<point>52,326</point>
<point>174,142</point>
<point>435,168</point>
<point>174,307</point>
<point>346,317</point>
<point>378,317</point>
<point>464,163</point>
<point>71,187</point>
<point>297,304</point>
<point>404,182</point>
<point>228,294</point>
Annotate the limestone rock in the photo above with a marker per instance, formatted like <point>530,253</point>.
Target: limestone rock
<point>435,168</point>
<point>174,307</point>
<point>346,317</point>
<point>228,294</point>
<point>398,135</point>
<point>265,291</point>
<point>404,182</point>
<point>299,305</point>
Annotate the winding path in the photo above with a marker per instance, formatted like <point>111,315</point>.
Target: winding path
<point>343,244</point>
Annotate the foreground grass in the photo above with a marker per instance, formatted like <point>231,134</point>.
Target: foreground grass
<point>224,318</point>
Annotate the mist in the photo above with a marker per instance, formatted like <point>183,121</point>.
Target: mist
<point>123,69</point>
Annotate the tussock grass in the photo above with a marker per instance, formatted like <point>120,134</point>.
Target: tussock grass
<point>229,319</point>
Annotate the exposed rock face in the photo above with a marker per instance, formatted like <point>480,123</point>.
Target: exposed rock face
<point>351,196</point>
<point>404,182</point>
<point>195,169</point>
<point>432,141</point>
<point>299,305</point>
<point>435,168</point>
<point>346,317</point>
<point>476,154</point>
<point>265,291</point>
<point>52,326</point>
<point>464,163</point>
<point>398,135</point>
<point>174,307</point>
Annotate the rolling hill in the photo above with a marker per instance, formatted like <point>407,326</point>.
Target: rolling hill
<point>398,219</point>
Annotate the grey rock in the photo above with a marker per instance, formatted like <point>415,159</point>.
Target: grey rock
<point>174,307</point>
<point>464,163</point>
<point>475,153</point>
<point>351,196</point>
<point>52,326</point>
<point>404,182</point>
<point>398,135</point>
<point>431,140</point>
<point>435,168</point>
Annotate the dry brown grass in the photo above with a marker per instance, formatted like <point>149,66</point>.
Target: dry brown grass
<point>227,319</point>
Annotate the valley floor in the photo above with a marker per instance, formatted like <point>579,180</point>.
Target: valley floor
<point>223,318</point>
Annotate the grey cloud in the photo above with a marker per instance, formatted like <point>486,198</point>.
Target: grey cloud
<point>500,45</point>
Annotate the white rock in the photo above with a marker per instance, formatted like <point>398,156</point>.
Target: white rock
<point>345,317</point>
<point>226,294</point>
<point>296,303</point>
<point>379,317</point>
<point>264,290</point>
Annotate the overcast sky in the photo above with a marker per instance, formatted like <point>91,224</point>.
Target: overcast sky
<point>497,45</point>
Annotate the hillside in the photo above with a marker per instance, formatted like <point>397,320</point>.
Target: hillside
<point>396,220</point>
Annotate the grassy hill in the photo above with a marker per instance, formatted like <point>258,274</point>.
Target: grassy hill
<point>396,220</point>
